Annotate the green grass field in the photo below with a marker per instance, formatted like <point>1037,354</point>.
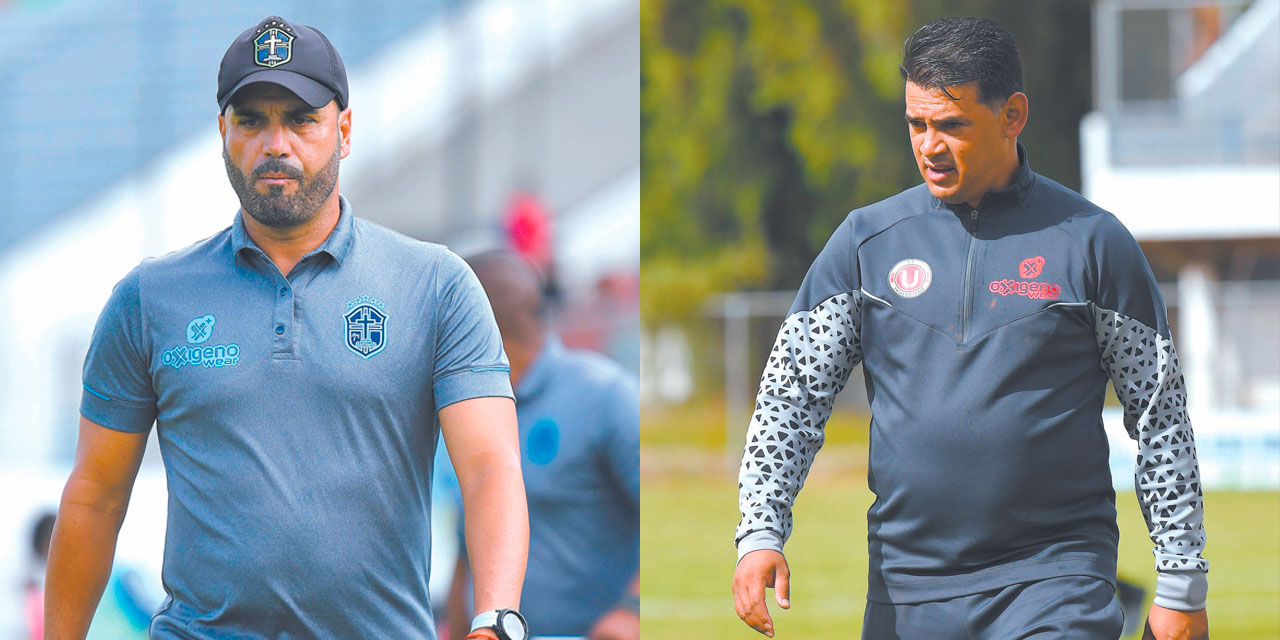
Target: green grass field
<point>689,510</point>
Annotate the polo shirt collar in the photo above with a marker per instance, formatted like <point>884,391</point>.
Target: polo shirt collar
<point>540,371</point>
<point>337,245</point>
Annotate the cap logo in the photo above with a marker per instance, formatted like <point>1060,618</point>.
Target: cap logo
<point>910,278</point>
<point>273,46</point>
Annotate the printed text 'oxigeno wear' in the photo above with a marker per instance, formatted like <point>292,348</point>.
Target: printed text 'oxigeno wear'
<point>987,338</point>
<point>297,419</point>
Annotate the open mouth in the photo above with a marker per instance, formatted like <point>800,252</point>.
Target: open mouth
<point>938,172</point>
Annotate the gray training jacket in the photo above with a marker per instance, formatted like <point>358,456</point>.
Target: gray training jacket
<point>987,339</point>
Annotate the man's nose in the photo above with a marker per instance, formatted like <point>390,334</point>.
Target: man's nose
<point>277,143</point>
<point>931,143</point>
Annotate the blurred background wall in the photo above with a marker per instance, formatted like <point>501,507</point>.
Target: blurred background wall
<point>476,123</point>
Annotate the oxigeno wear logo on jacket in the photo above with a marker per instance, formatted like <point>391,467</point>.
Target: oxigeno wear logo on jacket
<point>1029,268</point>
<point>200,330</point>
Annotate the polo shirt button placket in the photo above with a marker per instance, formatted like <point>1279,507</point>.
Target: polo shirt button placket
<point>282,343</point>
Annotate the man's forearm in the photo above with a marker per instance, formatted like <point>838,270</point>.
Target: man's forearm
<point>80,555</point>
<point>497,531</point>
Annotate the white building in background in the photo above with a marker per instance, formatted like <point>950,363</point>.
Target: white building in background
<point>1184,147</point>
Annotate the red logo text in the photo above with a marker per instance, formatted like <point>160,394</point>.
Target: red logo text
<point>1033,290</point>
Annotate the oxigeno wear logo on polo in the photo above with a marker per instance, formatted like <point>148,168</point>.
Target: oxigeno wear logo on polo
<point>200,329</point>
<point>910,278</point>
<point>206,355</point>
<point>366,326</point>
<point>273,47</point>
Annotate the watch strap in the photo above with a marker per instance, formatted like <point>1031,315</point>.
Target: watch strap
<point>486,619</point>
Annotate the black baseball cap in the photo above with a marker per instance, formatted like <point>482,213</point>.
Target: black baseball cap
<point>294,56</point>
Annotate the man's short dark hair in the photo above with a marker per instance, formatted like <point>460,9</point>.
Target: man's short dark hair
<point>949,52</point>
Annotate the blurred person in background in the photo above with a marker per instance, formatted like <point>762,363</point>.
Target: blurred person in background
<point>989,307</point>
<point>126,607</point>
<point>579,439</point>
<point>295,366</point>
<point>33,585</point>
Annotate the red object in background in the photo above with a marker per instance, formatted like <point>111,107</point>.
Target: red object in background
<point>528,226</point>
<point>593,323</point>
<point>33,607</point>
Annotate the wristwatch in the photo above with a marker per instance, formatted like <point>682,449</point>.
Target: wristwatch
<point>507,623</point>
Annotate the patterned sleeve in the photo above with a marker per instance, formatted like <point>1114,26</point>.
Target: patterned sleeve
<point>1138,354</point>
<point>817,347</point>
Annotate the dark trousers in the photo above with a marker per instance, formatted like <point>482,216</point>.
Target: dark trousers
<point>1068,607</point>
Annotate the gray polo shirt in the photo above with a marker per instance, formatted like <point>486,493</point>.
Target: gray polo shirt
<point>297,421</point>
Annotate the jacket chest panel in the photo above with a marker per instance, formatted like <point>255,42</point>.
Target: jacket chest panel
<point>934,271</point>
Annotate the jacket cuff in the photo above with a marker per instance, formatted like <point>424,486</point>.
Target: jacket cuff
<point>757,540</point>
<point>1182,590</point>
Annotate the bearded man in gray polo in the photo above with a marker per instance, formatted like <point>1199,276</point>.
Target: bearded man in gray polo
<point>299,367</point>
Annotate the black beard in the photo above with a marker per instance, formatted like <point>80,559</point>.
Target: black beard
<point>276,209</point>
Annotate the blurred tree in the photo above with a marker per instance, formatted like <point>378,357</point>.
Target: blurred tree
<point>764,123</point>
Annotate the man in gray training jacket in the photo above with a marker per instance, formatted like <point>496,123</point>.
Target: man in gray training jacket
<point>989,308</point>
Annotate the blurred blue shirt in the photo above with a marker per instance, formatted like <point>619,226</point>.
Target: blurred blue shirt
<point>579,416</point>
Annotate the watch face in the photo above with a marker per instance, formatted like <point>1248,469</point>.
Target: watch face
<point>512,626</point>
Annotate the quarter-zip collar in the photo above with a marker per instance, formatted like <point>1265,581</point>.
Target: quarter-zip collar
<point>1023,181</point>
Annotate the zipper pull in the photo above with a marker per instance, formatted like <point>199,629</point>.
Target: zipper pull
<point>973,219</point>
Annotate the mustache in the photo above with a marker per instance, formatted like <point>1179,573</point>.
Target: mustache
<point>276,166</point>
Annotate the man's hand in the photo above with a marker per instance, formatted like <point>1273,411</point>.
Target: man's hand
<point>619,624</point>
<point>757,570</point>
<point>1168,624</point>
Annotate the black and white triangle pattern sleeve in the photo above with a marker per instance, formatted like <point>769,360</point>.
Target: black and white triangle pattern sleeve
<point>810,363</point>
<point>1144,369</point>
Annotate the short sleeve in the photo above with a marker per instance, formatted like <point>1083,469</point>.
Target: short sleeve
<point>118,393</point>
<point>469,361</point>
<point>623,444</point>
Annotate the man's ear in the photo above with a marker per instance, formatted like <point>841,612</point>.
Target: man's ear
<point>1014,114</point>
<point>344,132</point>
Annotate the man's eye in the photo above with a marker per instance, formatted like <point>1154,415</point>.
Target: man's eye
<point>303,120</point>
<point>248,122</point>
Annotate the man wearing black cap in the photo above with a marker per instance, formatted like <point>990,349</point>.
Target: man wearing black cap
<point>295,366</point>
